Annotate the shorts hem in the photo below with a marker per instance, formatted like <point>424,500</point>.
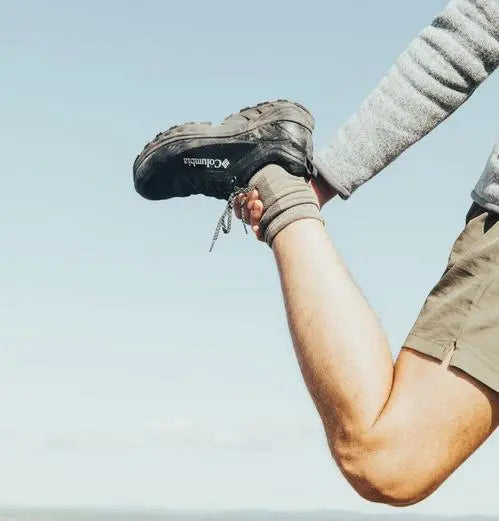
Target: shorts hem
<point>471,362</point>
<point>428,347</point>
<point>464,357</point>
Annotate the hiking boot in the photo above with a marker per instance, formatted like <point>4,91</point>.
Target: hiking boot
<point>218,160</point>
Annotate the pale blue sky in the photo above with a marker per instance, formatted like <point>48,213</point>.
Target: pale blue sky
<point>137,369</point>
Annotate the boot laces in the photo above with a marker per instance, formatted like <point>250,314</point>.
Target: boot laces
<point>225,222</point>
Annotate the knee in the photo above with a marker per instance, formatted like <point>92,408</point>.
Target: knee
<point>384,475</point>
<point>380,483</point>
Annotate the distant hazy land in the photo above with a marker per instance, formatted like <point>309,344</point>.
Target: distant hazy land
<point>39,514</point>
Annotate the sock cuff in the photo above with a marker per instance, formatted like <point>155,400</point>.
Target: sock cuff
<point>286,198</point>
<point>289,216</point>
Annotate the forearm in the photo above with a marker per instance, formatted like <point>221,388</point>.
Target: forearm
<point>437,73</point>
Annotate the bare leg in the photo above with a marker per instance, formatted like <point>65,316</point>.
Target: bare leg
<point>379,424</point>
<point>341,347</point>
<point>396,433</point>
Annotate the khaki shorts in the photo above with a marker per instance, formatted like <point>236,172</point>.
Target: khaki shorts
<point>461,314</point>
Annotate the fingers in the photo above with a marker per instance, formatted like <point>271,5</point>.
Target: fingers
<point>250,201</point>
<point>255,216</point>
<point>249,208</point>
<point>243,204</point>
<point>256,212</point>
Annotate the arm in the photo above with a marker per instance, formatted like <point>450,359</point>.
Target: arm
<point>436,74</point>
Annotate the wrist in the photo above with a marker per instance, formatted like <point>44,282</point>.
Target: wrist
<point>323,191</point>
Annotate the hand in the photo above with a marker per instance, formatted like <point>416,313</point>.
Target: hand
<point>249,208</point>
<point>323,191</point>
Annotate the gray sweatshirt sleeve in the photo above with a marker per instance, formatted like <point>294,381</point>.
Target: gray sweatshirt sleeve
<point>436,74</point>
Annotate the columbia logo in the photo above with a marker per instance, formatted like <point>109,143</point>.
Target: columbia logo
<point>207,162</point>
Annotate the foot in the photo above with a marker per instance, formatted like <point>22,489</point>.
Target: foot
<point>276,199</point>
<point>249,207</point>
<point>219,161</point>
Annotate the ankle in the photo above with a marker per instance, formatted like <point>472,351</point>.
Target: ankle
<point>286,198</point>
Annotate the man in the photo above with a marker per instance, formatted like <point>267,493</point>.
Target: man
<point>396,432</point>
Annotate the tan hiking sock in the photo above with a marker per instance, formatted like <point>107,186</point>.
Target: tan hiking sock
<point>286,198</point>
